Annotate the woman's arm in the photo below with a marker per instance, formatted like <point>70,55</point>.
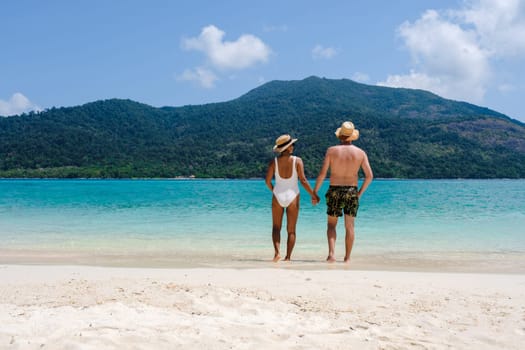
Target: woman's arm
<point>302,178</point>
<point>304,181</point>
<point>269,175</point>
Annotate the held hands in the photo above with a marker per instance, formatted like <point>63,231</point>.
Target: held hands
<point>315,199</point>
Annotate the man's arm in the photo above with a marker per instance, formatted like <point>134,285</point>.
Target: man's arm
<point>323,172</point>
<point>369,175</point>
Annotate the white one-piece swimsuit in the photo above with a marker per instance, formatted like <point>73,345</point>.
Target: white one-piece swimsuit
<point>285,190</point>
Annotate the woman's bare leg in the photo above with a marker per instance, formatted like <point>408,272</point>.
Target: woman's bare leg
<point>277,221</point>
<point>292,213</point>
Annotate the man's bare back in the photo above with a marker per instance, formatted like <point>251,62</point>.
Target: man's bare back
<point>344,162</point>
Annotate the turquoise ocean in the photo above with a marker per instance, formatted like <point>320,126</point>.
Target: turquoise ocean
<point>458,225</point>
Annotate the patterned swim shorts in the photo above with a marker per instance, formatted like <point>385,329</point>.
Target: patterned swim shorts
<point>342,199</point>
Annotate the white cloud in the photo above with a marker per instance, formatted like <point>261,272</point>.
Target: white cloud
<point>499,24</point>
<point>360,77</point>
<point>202,76</point>
<point>453,52</point>
<point>245,52</point>
<point>447,58</point>
<point>17,104</point>
<point>321,52</point>
<point>441,85</point>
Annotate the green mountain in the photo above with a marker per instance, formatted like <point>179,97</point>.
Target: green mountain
<point>406,133</point>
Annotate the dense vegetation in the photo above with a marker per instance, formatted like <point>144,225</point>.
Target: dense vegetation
<point>407,134</point>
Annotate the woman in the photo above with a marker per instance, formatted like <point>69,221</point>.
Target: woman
<point>287,170</point>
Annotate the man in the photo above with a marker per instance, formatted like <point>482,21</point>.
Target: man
<point>344,162</point>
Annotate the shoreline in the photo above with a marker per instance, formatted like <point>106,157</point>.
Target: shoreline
<point>66,306</point>
<point>436,262</point>
<point>262,178</point>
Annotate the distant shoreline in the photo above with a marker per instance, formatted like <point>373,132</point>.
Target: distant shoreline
<point>248,178</point>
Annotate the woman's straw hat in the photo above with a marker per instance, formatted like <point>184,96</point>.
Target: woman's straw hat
<point>347,130</point>
<point>283,142</point>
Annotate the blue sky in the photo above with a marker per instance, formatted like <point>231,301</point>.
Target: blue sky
<point>175,53</point>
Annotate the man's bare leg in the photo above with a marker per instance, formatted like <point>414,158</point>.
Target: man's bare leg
<point>277,219</point>
<point>331,235</point>
<point>349,238</point>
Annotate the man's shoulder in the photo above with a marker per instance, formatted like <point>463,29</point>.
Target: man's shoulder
<point>333,149</point>
<point>359,149</point>
<point>340,148</point>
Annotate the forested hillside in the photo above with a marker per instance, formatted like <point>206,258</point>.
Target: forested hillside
<point>407,134</point>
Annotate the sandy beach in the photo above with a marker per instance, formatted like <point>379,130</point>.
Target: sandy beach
<point>83,307</point>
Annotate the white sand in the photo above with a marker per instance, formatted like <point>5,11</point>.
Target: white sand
<point>79,307</point>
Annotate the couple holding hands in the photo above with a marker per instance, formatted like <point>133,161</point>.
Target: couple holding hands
<point>344,162</point>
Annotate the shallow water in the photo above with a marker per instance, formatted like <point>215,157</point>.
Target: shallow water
<point>411,223</point>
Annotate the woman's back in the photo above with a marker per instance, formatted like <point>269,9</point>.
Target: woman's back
<point>285,165</point>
